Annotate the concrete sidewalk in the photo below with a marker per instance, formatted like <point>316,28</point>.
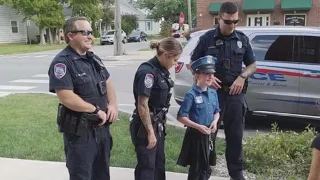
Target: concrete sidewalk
<point>131,56</point>
<point>16,169</point>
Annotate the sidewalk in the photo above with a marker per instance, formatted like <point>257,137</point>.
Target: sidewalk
<point>15,169</point>
<point>131,56</point>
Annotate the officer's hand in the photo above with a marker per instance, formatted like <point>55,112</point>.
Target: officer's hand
<point>103,116</point>
<point>237,86</point>
<point>152,140</point>
<point>204,129</point>
<point>215,83</point>
<point>112,113</point>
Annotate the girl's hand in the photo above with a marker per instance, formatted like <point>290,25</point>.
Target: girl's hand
<point>213,126</point>
<point>204,129</point>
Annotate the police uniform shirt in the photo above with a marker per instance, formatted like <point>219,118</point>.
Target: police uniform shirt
<point>316,142</point>
<point>200,106</point>
<point>151,83</point>
<point>235,47</point>
<point>71,71</point>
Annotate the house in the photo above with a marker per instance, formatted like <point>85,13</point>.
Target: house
<point>149,26</point>
<point>262,12</point>
<point>12,27</point>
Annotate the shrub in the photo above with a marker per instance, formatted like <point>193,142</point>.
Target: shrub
<point>279,154</point>
<point>165,29</point>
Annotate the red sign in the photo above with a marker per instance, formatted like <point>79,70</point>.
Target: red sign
<point>181,19</point>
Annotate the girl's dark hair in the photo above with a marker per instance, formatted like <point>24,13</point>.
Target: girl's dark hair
<point>169,45</point>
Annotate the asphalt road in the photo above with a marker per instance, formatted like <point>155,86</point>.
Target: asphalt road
<point>28,73</point>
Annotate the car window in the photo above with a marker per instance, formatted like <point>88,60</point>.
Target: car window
<point>275,47</point>
<point>110,33</point>
<point>189,47</point>
<point>309,49</point>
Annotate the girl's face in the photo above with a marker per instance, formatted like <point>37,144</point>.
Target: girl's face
<point>204,79</point>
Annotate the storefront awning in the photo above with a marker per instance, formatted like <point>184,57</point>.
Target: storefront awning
<point>214,7</point>
<point>292,5</point>
<point>255,5</point>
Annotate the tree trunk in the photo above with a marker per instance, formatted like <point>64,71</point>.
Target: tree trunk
<point>59,37</point>
<point>42,40</point>
<point>49,36</point>
<point>54,35</point>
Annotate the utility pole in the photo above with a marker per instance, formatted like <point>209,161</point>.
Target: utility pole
<point>118,50</point>
<point>189,15</point>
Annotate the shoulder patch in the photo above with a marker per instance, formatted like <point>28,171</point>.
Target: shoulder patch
<point>60,70</point>
<point>148,80</point>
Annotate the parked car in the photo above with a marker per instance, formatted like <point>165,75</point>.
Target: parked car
<point>287,80</point>
<point>137,36</point>
<point>108,37</point>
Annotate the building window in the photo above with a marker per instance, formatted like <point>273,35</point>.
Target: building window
<point>148,26</point>
<point>14,26</point>
<point>258,20</point>
<point>295,19</point>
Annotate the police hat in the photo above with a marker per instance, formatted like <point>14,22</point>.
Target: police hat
<point>204,64</point>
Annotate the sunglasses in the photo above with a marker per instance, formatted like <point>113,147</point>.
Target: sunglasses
<point>83,32</point>
<point>230,21</point>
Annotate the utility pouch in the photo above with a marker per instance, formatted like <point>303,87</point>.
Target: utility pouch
<point>61,115</point>
<point>82,126</point>
<point>70,124</point>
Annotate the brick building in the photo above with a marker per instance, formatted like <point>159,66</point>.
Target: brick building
<point>263,12</point>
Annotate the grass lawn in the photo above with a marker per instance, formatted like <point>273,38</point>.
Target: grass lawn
<point>28,131</point>
<point>6,49</point>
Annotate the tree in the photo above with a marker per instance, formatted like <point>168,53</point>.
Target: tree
<point>108,15</point>
<point>169,10</point>
<point>129,22</point>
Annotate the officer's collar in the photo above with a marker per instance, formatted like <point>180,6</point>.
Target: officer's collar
<point>218,34</point>
<point>76,56</point>
<point>198,89</point>
<point>156,62</point>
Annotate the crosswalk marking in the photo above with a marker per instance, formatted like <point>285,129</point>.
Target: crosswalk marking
<point>37,81</point>
<point>17,88</point>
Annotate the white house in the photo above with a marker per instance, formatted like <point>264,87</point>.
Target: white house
<point>12,27</point>
<point>149,26</point>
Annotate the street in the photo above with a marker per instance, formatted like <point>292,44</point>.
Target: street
<point>28,73</point>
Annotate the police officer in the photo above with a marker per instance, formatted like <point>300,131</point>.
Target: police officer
<point>231,48</point>
<point>151,89</point>
<point>88,103</point>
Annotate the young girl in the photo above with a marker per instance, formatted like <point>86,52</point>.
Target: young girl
<point>200,113</point>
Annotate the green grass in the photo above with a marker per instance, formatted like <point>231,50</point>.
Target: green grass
<point>6,49</point>
<point>28,131</point>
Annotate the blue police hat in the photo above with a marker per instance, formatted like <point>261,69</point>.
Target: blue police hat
<point>204,64</point>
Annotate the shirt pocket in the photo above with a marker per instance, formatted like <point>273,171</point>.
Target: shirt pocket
<point>84,86</point>
<point>213,52</point>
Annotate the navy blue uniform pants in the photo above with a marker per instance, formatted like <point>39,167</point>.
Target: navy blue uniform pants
<point>88,156</point>
<point>233,110</point>
<point>150,162</point>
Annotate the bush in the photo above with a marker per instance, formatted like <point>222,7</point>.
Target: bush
<point>165,29</point>
<point>280,154</point>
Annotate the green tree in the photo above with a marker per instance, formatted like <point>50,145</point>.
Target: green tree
<point>169,10</point>
<point>108,15</point>
<point>129,22</point>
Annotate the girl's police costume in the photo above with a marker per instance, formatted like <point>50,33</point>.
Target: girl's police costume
<point>198,149</point>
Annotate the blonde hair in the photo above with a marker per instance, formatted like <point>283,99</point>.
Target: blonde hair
<point>169,45</point>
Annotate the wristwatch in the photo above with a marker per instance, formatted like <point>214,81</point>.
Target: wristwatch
<point>96,110</point>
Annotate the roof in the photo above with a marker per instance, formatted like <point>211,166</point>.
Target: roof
<point>126,8</point>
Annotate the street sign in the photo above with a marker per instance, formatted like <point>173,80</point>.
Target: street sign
<point>181,19</point>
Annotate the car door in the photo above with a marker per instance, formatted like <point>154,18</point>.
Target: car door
<point>309,104</point>
<point>274,87</point>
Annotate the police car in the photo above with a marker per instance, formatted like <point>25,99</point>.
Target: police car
<point>287,80</point>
